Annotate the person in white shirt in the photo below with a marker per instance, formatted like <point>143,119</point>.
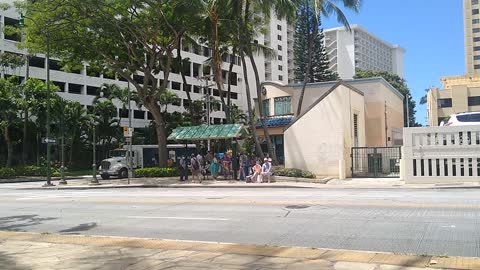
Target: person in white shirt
<point>266,168</point>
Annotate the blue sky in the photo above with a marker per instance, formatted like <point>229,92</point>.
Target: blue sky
<point>431,31</point>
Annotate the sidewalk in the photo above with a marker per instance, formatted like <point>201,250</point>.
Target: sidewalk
<point>25,251</point>
<point>281,182</point>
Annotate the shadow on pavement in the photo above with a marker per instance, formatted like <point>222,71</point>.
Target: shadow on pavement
<point>80,228</point>
<point>16,223</point>
<point>9,263</point>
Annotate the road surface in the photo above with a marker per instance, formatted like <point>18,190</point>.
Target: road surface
<point>411,221</point>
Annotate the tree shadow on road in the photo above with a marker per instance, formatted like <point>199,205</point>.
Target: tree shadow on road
<point>9,263</point>
<point>80,228</point>
<point>17,223</point>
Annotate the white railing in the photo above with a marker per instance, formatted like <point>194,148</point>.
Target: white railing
<point>441,154</point>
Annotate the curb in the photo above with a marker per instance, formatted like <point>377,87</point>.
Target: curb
<point>333,255</point>
<point>158,186</point>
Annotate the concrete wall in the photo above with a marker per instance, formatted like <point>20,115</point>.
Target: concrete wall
<point>307,144</point>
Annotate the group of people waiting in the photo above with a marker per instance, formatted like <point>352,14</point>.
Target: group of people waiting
<point>215,165</point>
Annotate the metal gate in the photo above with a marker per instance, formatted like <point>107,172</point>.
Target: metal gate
<point>376,162</point>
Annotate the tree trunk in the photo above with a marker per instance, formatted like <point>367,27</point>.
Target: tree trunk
<point>161,133</point>
<point>311,38</point>
<point>8,141</point>
<point>260,106</point>
<point>217,66</point>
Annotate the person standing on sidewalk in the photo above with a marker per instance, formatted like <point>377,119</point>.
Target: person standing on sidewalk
<point>266,167</point>
<point>243,163</point>
<point>183,167</point>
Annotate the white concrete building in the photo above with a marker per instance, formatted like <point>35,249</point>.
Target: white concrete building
<point>471,24</point>
<point>79,86</point>
<point>359,49</point>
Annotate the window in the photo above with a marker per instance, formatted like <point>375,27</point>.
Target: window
<point>93,91</point>
<point>176,85</point>
<point>474,2</point>
<point>196,89</point>
<point>279,47</point>
<point>280,58</point>
<point>60,85</point>
<point>355,130</point>
<point>476,67</point>
<point>75,88</point>
<point>475,21</point>
<point>37,62</point>
<point>137,114</point>
<point>279,27</point>
<point>474,101</point>
<point>149,116</point>
<point>233,78</point>
<point>472,117</point>
<point>280,77</point>
<point>123,113</point>
<point>475,11</point>
<point>476,48</point>
<point>476,30</point>
<point>445,103</point>
<point>283,105</point>
<point>196,69</point>
<point>476,39</point>
<point>233,95</point>
<point>266,107</point>
<point>279,37</point>
<point>280,67</point>
<point>476,57</point>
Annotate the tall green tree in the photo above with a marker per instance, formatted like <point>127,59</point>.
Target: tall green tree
<point>401,85</point>
<point>324,8</point>
<point>319,70</point>
<point>10,100</point>
<point>127,37</point>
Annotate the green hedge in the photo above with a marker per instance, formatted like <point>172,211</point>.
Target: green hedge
<point>156,172</point>
<point>294,173</point>
<point>35,171</point>
<point>6,173</point>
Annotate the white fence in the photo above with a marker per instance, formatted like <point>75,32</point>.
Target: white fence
<point>441,154</point>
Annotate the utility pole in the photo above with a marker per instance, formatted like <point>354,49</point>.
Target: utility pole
<point>49,165</point>
<point>386,126</point>
<point>62,167</point>
<point>94,158</point>
<point>408,110</point>
<point>129,154</point>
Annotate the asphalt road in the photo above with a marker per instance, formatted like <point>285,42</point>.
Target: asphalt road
<point>433,222</point>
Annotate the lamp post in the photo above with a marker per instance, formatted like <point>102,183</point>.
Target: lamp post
<point>129,156</point>
<point>94,157</point>
<point>407,97</point>
<point>47,124</point>
<point>62,153</point>
<point>207,100</point>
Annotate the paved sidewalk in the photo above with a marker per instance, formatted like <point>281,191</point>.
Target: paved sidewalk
<point>281,182</point>
<point>25,251</point>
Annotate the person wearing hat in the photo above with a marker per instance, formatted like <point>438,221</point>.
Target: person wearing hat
<point>266,167</point>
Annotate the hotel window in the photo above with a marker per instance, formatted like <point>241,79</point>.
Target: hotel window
<point>476,57</point>
<point>280,77</point>
<point>476,48</point>
<point>474,101</point>
<point>279,27</point>
<point>475,21</point>
<point>476,30</point>
<point>475,11</point>
<point>280,67</point>
<point>279,47</point>
<point>279,37</point>
<point>266,107</point>
<point>476,67</point>
<point>283,105</point>
<point>445,103</point>
<point>474,2</point>
<point>280,58</point>
<point>476,39</point>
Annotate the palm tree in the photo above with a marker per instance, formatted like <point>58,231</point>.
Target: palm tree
<point>325,8</point>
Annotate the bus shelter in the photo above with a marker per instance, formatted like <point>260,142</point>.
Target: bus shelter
<point>231,132</point>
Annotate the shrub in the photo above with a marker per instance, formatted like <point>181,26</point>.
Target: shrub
<point>35,171</point>
<point>6,173</point>
<point>294,173</point>
<point>156,172</point>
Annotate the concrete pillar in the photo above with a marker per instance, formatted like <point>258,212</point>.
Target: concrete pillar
<point>342,174</point>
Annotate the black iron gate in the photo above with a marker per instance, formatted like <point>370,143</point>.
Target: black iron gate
<point>376,162</point>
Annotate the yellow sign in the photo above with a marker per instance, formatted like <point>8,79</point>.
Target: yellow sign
<point>127,132</point>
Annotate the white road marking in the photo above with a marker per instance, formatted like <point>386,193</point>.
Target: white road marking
<point>185,218</point>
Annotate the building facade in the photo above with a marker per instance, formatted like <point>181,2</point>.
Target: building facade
<point>359,49</point>
<point>471,21</point>
<point>83,85</point>
<point>459,94</point>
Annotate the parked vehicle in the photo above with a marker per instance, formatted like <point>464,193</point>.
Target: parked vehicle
<point>142,156</point>
<point>463,119</point>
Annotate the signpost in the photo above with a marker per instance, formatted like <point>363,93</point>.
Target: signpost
<point>49,140</point>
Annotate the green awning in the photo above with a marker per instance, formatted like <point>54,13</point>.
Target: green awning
<point>203,132</point>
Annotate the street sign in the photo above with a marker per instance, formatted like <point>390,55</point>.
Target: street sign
<point>127,132</point>
<point>49,140</point>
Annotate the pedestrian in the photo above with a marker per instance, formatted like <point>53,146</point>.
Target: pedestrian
<point>266,167</point>
<point>183,167</point>
<point>227,162</point>
<point>209,157</point>
<point>256,173</point>
<point>242,164</point>
<point>214,167</point>
<point>195,169</point>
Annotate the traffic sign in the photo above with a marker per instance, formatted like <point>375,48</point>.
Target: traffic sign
<point>127,132</point>
<point>49,140</point>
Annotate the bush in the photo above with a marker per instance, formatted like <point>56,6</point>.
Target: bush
<point>156,172</point>
<point>35,171</point>
<point>6,173</point>
<point>294,173</point>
